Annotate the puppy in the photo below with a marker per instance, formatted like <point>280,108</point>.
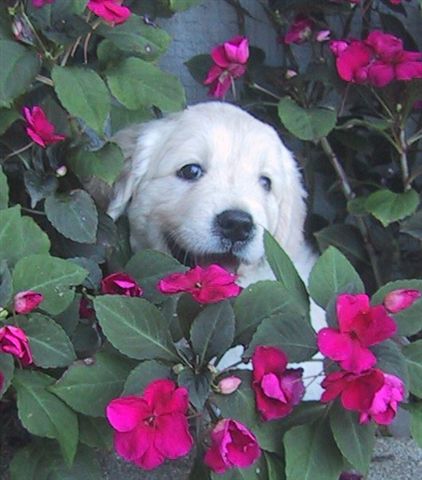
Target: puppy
<point>203,184</point>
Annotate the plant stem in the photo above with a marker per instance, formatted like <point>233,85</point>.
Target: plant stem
<point>403,160</point>
<point>18,152</point>
<point>264,90</point>
<point>45,80</point>
<point>350,195</point>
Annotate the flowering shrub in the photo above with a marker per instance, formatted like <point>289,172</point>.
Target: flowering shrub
<point>98,343</point>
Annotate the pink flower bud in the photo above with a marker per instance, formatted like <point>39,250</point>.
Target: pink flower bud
<point>120,284</point>
<point>61,171</point>
<point>401,299</point>
<point>290,74</point>
<point>14,341</point>
<point>229,385</point>
<point>323,35</point>
<point>25,302</point>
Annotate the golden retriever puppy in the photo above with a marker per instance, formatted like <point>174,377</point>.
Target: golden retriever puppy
<point>203,184</point>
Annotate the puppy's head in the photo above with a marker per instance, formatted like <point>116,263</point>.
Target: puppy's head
<point>203,185</point>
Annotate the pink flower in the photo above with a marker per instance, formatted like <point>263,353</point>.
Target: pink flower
<point>299,31</point>
<point>110,10</point>
<point>153,426</point>
<point>352,60</point>
<point>206,285</point>
<point>25,302</point>
<point>356,391</point>
<point>14,341</point>
<point>360,326</point>
<point>232,445</point>
<point>228,385</point>
<point>120,284</point>
<point>41,3</point>
<point>395,2</point>
<point>230,60</point>
<point>276,388</point>
<point>400,299</point>
<point>385,402</point>
<point>39,128</point>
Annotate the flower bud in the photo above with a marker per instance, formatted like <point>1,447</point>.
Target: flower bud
<point>61,171</point>
<point>25,302</point>
<point>323,36</point>
<point>400,299</point>
<point>290,74</point>
<point>228,385</point>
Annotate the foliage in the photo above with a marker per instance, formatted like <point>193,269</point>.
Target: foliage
<point>89,346</point>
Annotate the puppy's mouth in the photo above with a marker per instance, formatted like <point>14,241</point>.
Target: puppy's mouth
<point>227,260</point>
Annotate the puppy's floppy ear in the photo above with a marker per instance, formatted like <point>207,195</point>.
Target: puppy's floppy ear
<point>139,144</point>
<point>292,206</point>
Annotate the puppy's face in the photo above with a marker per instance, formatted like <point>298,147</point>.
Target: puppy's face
<point>216,178</point>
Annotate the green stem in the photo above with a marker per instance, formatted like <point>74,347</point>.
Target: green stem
<point>403,160</point>
<point>45,80</point>
<point>255,86</point>
<point>18,152</point>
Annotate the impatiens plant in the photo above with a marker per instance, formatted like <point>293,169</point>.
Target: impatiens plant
<point>137,354</point>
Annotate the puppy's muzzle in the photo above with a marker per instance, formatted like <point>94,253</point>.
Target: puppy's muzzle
<point>235,226</point>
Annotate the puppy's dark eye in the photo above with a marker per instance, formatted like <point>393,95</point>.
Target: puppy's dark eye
<point>265,183</point>
<point>190,172</point>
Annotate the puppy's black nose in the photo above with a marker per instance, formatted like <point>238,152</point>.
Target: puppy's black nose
<point>235,225</point>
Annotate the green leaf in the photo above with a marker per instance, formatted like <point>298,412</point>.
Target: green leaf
<point>20,236</point>
<point>416,421</point>
<point>355,441</point>
<point>105,164</point>
<point>6,288</point>
<point>413,225</point>
<point>135,327</point>
<point>50,276</point>
<point>7,368</point>
<point>331,275</point>
<point>95,432</point>
<point>306,123</point>
<point>180,5</point>
<point>74,215</point>
<point>409,320</point>
<point>7,117</point>
<point>390,359</point>
<point>197,384</point>
<point>285,272</point>
<point>143,374</point>
<point>88,387</point>
<point>276,466</point>
<point>199,66</point>
<point>257,471</point>
<point>212,331</point>
<point>26,463</point>
<point>4,190</point>
<point>388,206</point>
<point>122,117</point>
<point>148,267</point>
<point>345,238</point>
<point>258,302</point>
<point>290,331</point>
<point>19,66</point>
<point>83,93</point>
<point>43,414</point>
<point>311,453</point>
<point>413,356</point>
<point>137,38</point>
<point>50,346</point>
<point>136,84</point>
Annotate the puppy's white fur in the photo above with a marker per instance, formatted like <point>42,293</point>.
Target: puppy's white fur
<point>235,150</point>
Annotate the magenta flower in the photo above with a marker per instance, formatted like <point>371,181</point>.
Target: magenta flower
<point>25,302</point>
<point>353,60</point>
<point>39,128</point>
<point>228,385</point>
<point>120,284</point>
<point>232,445</point>
<point>14,341</point>
<point>110,10</point>
<point>151,427</point>
<point>300,30</point>
<point>356,391</point>
<point>41,3</point>
<point>230,60</point>
<point>360,326</point>
<point>206,285</point>
<point>400,299</point>
<point>385,402</point>
<point>277,389</point>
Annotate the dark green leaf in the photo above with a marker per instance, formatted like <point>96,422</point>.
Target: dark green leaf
<point>39,185</point>
<point>6,288</point>
<point>413,225</point>
<point>135,327</point>
<point>43,414</point>
<point>122,117</point>
<point>74,215</point>
<point>83,93</point>
<point>346,238</point>
<point>331,275</point>
<point>355,441</point>
<point>413,356</point>
<point>7,368</point>
<point>180,5</point>
<point>4,190</point>
<point>143,374</point>
<point>7,117</point>
<point>311,453</point>
<point>88,386</point>
<point>306,123</point>
<point>388,206</point>
<point>199,66</point>
<point>53,277</point>
<point>276,466</point>
<point>416,421</point>
<point>19,66</point>
<point>136,84</point>
<point>390,359</point>
<point>50,346</point>
<point>212,331</point>
<point>197,384</point>
<point>95,275</point>
<point>95,432</point>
